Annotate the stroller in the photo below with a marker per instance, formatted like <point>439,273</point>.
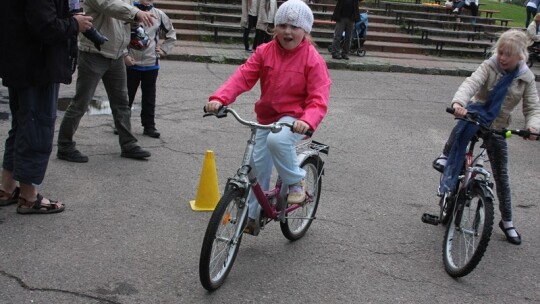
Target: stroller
<point>534,54</point>
<point>359,35</point>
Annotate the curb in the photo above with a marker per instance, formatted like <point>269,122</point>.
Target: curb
<point>353,66</point>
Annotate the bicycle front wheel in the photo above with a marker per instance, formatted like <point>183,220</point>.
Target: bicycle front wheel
<point>222,240</point>
<point>468,233</point>
<point>298,221</point>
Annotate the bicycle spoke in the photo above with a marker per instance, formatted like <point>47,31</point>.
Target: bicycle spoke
<point>466,239</point>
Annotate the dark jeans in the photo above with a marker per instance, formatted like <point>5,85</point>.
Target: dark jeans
<point>530,12</point>
<point>344,25</point>
<point>29,142</point>
<point>260,38</point>
<point>497,150</point>
<point>252,22</point>
<point>147,80</point>
<point>473,7</point>
<point>92,69</point>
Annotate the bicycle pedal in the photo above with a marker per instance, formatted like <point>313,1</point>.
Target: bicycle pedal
<point>430,219</point>
<point>254,232</point>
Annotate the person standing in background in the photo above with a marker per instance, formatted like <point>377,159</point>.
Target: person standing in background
<point>265,22</point>
<point>346,14</point>
<point>248,21</point>
<point>111,18</point>
<point>39,51</point>
<point>531,9</point>
<point>142,63</point>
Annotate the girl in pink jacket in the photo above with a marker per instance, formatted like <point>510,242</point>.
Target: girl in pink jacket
<point>295,87</point>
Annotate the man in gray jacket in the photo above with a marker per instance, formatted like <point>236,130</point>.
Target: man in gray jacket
<point>111,18</point>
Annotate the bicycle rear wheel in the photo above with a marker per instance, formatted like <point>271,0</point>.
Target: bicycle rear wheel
<point>298,221</point>
<point>468,233</point>
<point>222,240</point>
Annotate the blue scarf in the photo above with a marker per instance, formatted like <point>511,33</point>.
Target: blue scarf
<point>465,130</point>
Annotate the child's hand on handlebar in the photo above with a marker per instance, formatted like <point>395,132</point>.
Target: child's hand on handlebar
<point>533,131</point>
<point>459,110</point>
<point>300,127</point>
<point>213,106</point>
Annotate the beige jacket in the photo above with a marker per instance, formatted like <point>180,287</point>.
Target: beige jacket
<point>111,18</point>
<point>477,87</point>
<point>244,19</point>
<point>266,12</point>
<point>532,33</point>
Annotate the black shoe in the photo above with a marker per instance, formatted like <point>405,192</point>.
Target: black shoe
<point>152,132</point>
<point>136,153</point>
<point>115,131</point>
<point>437,165</point>
<point>345,56</point>
<point>249,50</point>
<point>516,240</point>
<point>74,156</point>
<point>336,56</point>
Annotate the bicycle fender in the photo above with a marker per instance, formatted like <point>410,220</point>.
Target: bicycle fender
<point>310,154</point>
<point>484,189</point>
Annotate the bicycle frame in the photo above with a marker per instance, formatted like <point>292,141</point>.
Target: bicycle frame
<point>470,170</point>
<point>246,176</point>
<point>246,179</point>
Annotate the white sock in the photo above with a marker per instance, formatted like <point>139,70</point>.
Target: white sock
<point>511,232</point>
<point>441,161</point>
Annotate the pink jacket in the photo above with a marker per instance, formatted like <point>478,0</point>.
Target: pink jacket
<point>294,83</point>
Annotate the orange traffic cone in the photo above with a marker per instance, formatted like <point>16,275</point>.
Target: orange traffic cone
<point>208,193</point>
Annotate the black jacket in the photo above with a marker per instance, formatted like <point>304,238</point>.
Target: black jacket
<point>38,39</point>
<point>336,16</point>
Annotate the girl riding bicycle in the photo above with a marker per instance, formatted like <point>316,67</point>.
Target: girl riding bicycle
<point>493,91</point>
<point>295,87</point>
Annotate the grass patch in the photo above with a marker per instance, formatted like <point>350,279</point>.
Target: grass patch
<point>514,11</point>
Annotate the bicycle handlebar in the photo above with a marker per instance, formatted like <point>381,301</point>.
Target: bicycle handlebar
<point>273,127</point>
<point>506,133</point>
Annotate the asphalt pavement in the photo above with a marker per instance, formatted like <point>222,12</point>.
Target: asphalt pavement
<point>129,235</point>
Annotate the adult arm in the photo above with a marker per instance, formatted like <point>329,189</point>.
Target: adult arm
<point>50,27</point>
<point>121,10</point>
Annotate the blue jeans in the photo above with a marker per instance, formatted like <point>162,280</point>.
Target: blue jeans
<point>275,149</point>
<point>29,143</point>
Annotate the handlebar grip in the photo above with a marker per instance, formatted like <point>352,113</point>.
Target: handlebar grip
<point>450,110</point>
<point>309,133</point>
<point>222,112</point>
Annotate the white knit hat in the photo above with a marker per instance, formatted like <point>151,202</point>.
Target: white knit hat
<point>295,12</point>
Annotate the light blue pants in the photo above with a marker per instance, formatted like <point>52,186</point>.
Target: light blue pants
<point>275,149</point>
